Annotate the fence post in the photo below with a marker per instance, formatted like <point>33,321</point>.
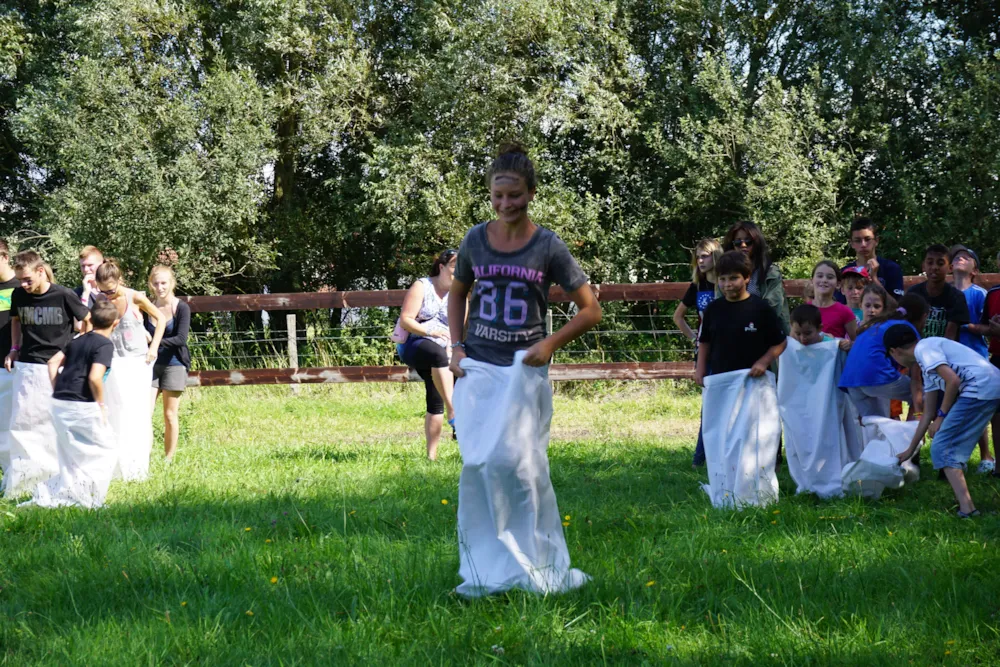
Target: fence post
<point>293,346</point>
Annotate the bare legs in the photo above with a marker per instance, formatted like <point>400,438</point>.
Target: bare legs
<point>444,382</point>
<point>171,401</point>
<point>432,431</point>
<point>957,480</point>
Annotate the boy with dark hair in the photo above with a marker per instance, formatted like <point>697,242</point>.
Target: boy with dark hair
<point>961,394</point>
<point>864,242</point>
<point>807,325</point>
<point>86,445</point>
<point>740,331</point>
<point>948,309</point>
<point>42,315</point>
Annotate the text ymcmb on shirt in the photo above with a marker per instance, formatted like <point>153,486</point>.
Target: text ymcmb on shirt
<point>40,315</point>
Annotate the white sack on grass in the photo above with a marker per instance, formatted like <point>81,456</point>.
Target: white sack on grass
<point>510,533</point>
<point>87,457</point>
<point>878,468</point>
<point>821,429</point>
<point>32,436</point>
<point>130,413</point>
<point>740,427</point>
<point>6,410</point>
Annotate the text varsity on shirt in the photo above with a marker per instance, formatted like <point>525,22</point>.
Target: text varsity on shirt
<point>510,291</point>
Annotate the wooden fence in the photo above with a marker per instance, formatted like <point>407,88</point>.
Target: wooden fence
<point>381,298</point>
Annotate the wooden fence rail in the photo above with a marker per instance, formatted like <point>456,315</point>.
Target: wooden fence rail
<point>376,298</point>
<point>372,298</point>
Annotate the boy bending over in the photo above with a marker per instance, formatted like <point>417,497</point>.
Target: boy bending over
<point>961,394</point>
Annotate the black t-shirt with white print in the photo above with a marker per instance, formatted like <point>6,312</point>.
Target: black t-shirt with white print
<point>46,321</point>
<point>73,383</point>
<point>739,333</point>
<point>948,306</point>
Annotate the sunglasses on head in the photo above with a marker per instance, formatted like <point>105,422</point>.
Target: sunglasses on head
<point>739,243</point>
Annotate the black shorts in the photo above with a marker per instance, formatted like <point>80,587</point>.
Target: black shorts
<point>422,355</point>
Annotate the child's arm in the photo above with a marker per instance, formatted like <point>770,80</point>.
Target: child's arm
<point>15,343</point>
<point>681,323</point>
<point>588,315</point>
<point>96,381</point>
<point>701,370</point>
<point>851,327</point>
<point>458,307</point>
<point>952,383</point>
<point>159,321</point>
<point>845,344</point>
<point>55,363</point>
<point>761,365</point>
<point>917,389</point>
<point>930,410</point>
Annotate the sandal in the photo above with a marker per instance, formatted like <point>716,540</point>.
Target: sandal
<point>969,515</point>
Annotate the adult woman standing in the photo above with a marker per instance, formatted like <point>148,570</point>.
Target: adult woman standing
<point>131,371</point>
<point>765,278</point>
<point>173,360</point>
<point>424,318</point>
<point>509,529</point>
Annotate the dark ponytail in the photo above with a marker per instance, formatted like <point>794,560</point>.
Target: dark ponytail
<point>513,158</point>
<point>441,260</point>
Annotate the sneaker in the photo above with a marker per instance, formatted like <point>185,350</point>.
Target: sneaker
<point>986,467</point>
<point>963,515</point>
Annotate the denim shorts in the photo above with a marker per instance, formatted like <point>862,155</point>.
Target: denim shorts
<point>960,431</point>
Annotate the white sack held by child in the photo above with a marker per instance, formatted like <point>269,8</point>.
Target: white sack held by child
<point>820,425</point>
<point>130,415</point>
<point>740,427</point>
<point>32,436</point>
<point>6,410</point>
<point>87,457</point>
<point>878,468</point>
<point>510,533</point>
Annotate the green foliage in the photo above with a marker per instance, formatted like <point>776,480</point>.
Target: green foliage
<point>295,144</point>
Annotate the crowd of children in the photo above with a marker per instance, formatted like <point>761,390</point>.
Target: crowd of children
<point>926,347</point>
<point>78,386</point>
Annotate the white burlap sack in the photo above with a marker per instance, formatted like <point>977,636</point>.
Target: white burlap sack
<point>878,468</point>
<point>87,457</point>
<point>510,533</point>
<point>821,429</point>
<point>32,436</point>
<point>6,410</point>
<point>740,427</point>
<point>130,413</point>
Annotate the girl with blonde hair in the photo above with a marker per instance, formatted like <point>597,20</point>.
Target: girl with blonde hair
<point>173,361</point>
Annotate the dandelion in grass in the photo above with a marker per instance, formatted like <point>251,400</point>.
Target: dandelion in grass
<point>444,501</point>
<point>947,652</point>
<point>776,512</point>
<point>249,613</point>
<point>267,541</point>
<point>565,524</point>
<point>774,523</point>
<point>650,583</point>
<point>247,529</point>
<point>566,518</point>
<point>274,580</point>
<point>184,604</point>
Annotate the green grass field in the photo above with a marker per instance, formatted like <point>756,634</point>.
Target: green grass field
<point>311,530</point>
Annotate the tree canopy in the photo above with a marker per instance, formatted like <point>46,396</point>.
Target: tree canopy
<point>296,144</point>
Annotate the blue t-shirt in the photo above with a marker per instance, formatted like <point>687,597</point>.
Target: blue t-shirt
<point>975,296</point>
<point>867,363</point>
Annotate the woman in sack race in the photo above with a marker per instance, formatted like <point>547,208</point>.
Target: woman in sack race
<point>422,339</point>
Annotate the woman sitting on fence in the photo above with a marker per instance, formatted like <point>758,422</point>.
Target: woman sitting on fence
<point>172,359</point>
<point>131,371</point>
<point>423,339</point>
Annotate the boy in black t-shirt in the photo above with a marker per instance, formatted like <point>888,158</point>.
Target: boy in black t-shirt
<point>739,331</point>
<point>85,444</point>
<point>42,317</point>
<point>948,309</point>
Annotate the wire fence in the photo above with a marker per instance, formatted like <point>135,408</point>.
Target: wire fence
<point>629,332</point>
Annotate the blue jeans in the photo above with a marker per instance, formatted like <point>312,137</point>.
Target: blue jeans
<point>960,431</point>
